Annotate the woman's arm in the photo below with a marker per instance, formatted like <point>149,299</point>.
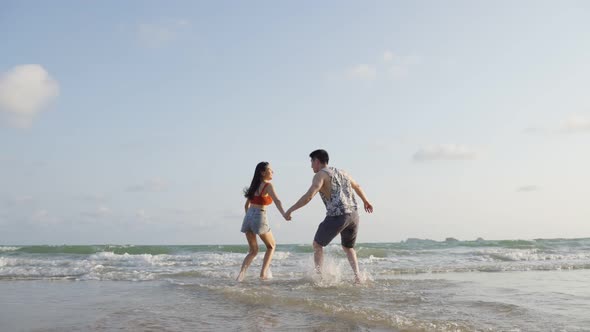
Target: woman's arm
<point>270,189</point>
<point>247,205</point>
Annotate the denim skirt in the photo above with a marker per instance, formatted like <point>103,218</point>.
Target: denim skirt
<point>255,221</point>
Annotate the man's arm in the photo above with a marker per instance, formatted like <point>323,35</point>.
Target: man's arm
<point>316,185</point>
<point>359,191</point>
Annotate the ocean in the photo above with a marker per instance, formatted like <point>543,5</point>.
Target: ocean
<point>413,285</point>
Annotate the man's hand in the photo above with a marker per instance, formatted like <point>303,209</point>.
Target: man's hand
<point>368,207</point>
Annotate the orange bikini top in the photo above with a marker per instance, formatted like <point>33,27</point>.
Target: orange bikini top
<point>261,200</point>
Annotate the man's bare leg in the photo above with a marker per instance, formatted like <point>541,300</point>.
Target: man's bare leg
<point>318,257</point>
<point>351,254</point>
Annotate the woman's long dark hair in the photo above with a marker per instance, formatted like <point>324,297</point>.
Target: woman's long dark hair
<point>256,180</point>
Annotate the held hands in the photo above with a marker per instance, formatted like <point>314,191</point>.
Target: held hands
<point>287,215</point>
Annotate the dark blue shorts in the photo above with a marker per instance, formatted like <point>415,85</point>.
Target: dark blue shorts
<point>346,225</point>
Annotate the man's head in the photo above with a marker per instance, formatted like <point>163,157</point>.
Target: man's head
<point>319,159</point>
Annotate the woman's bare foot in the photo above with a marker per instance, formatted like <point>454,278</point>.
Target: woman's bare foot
<point>241,276</point>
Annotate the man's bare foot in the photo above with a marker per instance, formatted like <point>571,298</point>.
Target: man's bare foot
<point>357,280</point>
<point>241,276</point>
<point>318,270</point>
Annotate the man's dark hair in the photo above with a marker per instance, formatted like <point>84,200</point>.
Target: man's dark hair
<point>321,155</point>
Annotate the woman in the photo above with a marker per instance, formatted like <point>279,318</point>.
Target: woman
<point>260,194</point>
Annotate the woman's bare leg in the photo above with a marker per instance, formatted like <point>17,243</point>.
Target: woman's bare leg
<point>270,243</point>
<point>252,252</point>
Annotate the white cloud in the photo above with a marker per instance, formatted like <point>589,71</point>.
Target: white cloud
<point>153,185</point>
<point>101,211</point>
<point>445,152</point>
<point>571,125</point>
<point>363,72</point>
<point>141,214</point>
<point>401,60</point>
<point>159,34</point>
<point>528,188</point>
<point>575,124</point>
<point>388,56</point>
<point>25,91</point>
<point>391,65</point>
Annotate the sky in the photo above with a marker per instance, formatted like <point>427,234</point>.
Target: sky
<point>140,122</point>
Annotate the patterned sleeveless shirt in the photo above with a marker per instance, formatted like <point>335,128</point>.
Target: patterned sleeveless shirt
<point>342,200</point>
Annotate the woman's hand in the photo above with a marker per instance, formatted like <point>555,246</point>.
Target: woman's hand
<point>287,216</point>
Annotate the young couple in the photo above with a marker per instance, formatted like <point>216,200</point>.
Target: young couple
<point>336,189</point>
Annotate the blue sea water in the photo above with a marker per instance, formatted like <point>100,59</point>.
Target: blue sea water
<point>414,285</point>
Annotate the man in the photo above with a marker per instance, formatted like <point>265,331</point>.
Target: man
<point>335,187</point>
